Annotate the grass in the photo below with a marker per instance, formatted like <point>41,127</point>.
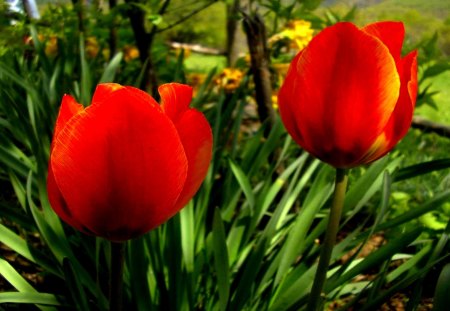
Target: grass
<point>200,63</point>
<point>440,83</point>
<point>438,8</point>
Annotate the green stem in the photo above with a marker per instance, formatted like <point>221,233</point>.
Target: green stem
<point>116,280</point>
<point>316,297</point>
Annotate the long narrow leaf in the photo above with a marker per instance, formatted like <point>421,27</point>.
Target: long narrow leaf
<point>31,298</point>
<point>221,260</point>
<point>16,280</point>
<point>442,290</point>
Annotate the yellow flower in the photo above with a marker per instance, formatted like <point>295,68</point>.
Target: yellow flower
<point>130,52</point>
<point>275,101</point>
<point>28,40</point>
<point>229,79</point>
<point>106,53</point>
<point>185,50</point>
<point>196,80</point>
<point>92,47</point>
<point>281,69</point>
<point>51,46</point>
<point>298,32</point>
<point>247,58</point>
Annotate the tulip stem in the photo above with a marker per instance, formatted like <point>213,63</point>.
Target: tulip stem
<point>317,296</point>
<point>116,280</point>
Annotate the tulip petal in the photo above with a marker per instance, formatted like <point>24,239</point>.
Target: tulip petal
<point>345,91</point>
<point>195,134</point>
<point>175,99</point>
<point>403,113</point>
<point>287,104</point>
<point>120,165</point>
<point>391,34</point>
<point>103,91</point>
<point>196,137</point>
<point>69,108</point>
<point>58,203</point>
<point>401,118</point>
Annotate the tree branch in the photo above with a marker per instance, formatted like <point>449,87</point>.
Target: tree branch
<point>430,126</point>
<point>197,48</point>
<point>182,19</point>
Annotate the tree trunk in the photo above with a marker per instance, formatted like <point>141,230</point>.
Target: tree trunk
<point>232,32</point>
<point>113,31</point>
<point>255,31</point>
<point>430,126</point>
<point>79,8</point>
<point>144,42</point>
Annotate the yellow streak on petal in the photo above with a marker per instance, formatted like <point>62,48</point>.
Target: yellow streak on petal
<point>377,149</point>
<point>111,86</point>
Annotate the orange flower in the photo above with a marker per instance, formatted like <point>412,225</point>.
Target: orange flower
<point>51,46</point>
<point>230,79</point>
<point>130,52</point>
<point>125,165</point>
<point>349,96</point>
<point>92,47</point>
<point>196,80</point>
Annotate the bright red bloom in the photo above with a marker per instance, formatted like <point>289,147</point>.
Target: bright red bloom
<point>125,164</point>
<point>349,96</point>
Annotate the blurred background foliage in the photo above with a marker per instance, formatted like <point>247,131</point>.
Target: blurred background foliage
<point>249,239</point>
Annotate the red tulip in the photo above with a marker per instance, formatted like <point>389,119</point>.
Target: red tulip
<point>349,96</point>
<point>125,165</point>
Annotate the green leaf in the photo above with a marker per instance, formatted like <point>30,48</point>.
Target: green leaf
<point>268,197</point>
<point>86,79</point>
<point>110,70</point>
<point>178,75</point>
<point>58,242</point>
<point>402,284</point>
<point>74,285</point>
<point>221,260</point>
<point>421,169</point>
<point>268,147</point>
<point>188,236</point>
<point>19,245</point>
<point>16,215</point>
<point>366,185</point>
<point>442,290</point>
<point>414,213</point>
<point>16,280</point>
<point>249,272</point>
<point>376,258</point>
<point>142,74</point>
<point>311,4</point>
<point>408,266</point>
<point>19,189</point>
<point>203,92</point>
<point>316,198</point>
<point>436,69</point>
<point>293,289</point>
<point>9,158</point>
<point>138,267</point>
<point>32,298</point>
<point>244,183</point>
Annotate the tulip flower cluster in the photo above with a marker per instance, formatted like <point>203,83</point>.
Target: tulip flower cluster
<point>125,164</point>
<point>349,96</point>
